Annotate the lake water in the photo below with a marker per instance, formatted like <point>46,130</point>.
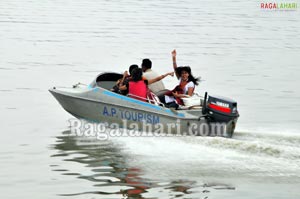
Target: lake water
<point>239,50</point>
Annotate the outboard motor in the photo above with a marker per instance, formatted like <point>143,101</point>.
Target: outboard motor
<point>221,109</point>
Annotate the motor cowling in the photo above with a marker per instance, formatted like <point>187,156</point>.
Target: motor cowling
<point>221,109</point>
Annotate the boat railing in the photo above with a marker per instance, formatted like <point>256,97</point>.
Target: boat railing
<point>155,100</point>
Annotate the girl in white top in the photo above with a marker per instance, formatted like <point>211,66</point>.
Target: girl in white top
<point>186,86</point>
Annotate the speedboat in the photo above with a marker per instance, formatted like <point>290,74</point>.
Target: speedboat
<point>96,102</point>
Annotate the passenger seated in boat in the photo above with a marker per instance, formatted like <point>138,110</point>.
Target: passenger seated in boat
<point>120,86</point>
<point>186,86</point>
<point>148,73</point>
<point>138,87</point>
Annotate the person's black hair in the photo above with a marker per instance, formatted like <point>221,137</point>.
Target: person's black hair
<point>147,63</point>
<point>189,71</point>
<point>137,74</point>
<point>132,67</point>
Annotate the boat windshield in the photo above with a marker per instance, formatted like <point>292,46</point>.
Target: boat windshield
<point>106,80</point>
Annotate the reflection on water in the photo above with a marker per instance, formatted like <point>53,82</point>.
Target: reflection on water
<point>108,169</point>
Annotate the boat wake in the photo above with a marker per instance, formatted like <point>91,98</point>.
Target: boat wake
<point>192,165</point>
<point>247,155</point>
<point>258,144</point>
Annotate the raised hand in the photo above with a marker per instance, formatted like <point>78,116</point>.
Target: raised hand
<point>125,74</point>
<point>174,53</point>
